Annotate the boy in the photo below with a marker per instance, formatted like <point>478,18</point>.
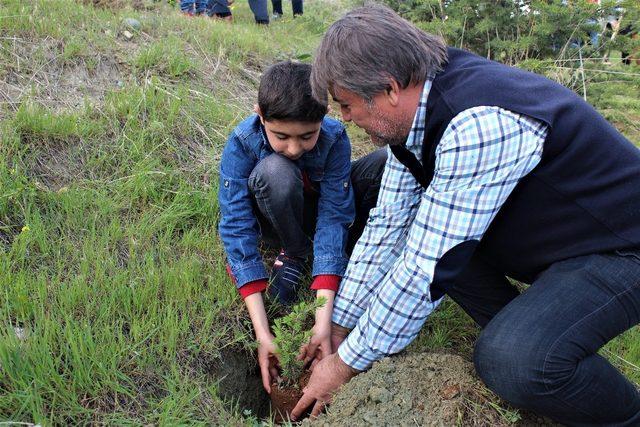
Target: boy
<point>285,178</point>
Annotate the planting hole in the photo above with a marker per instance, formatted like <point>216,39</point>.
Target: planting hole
<point>240,383</point>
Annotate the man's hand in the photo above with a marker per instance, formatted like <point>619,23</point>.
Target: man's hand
<point>268,361</point>
<point>338,334</point>
<point>327,377</point>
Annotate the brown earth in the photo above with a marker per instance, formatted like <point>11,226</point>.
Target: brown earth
<point>284,399</point>
<point>425,389</point>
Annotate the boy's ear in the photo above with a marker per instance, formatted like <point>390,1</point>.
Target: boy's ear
<point>257,110</point>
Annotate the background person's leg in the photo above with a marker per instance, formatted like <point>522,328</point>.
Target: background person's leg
<point>297,7</point>
<point>201,6</point>
<point>540,351</point>
<point>187,6</point>
<point>277,7</point>
<point>219,8</point>
<point>260,11</point>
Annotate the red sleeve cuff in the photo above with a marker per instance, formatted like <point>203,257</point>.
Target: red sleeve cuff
<point>252,287</point>
<point>326,281</point>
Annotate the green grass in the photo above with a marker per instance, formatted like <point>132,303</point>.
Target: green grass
<point>109,256</point>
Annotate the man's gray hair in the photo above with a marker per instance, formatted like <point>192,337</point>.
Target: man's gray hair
<point>369,45</point>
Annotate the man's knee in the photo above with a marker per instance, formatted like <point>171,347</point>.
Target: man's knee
<point>366,175</point>
<point>275,173</point>
<point>510,367</point>
<point>370,167</point>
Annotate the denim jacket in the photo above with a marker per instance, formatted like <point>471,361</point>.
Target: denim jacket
<point>328,163</point>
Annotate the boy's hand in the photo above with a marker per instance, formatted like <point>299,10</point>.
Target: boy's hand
<point>268,361</point>
<point>319,345</point>
<point>267,358</point>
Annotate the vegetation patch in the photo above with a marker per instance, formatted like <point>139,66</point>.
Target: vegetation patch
<point>115,305</point>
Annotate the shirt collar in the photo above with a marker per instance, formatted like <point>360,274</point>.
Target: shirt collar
<point>416,135</point>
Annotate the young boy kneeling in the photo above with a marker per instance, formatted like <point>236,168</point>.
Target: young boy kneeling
<point>285,179</point>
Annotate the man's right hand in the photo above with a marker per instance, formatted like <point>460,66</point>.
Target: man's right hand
<point>338,334</point>
<point>268,361</point>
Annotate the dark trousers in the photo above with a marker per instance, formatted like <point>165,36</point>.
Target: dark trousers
<point>538,349</point>
<point>295,4</point>
<point>260,11</point>
<point>287,210</point>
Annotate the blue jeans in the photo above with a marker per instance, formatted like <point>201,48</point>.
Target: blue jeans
<point>194,6</point>
<point>296,5</point>
<point>538,349</point>
<point>260,11</point>
<point>287,211</point>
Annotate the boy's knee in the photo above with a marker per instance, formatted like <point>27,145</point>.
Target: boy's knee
<point>275,173</point>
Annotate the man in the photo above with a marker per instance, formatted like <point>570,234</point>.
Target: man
<point>492,172</point>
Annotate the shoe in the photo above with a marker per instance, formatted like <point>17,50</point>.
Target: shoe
<point>285,279</point>
<point>276,16</point>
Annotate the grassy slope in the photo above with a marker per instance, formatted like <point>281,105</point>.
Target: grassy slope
<point>109,258</point>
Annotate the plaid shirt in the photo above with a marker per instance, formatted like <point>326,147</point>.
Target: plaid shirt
<point>384,296</point>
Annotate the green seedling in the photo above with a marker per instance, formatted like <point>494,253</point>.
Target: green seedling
<point>291,332</point>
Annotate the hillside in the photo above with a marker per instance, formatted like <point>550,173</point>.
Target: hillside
<point>115,304</point>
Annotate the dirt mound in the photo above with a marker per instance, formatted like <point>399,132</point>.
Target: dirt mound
<point>427,389</point>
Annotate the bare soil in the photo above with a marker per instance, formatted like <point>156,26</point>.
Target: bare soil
<point>284,399</point>
<point>240,383</point>
<point>426,389</point>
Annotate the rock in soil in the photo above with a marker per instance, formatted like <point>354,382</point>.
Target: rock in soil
<point>427,389</point>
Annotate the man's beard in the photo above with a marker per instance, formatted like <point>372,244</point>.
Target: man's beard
<point>383,140</point>
<point>392,132</point>
<point>392,135</point>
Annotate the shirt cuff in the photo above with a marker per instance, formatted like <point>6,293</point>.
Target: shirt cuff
<point>355,353</point>
<point>252,288</point>
<point>326,281</point>
<point>345,312</point>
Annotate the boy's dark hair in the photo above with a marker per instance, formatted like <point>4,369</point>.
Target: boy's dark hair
<point>285,94</point>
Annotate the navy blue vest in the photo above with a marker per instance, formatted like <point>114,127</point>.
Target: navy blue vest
<point>582,198</point>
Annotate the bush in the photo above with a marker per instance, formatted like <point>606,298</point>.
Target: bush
<point>511,31</point>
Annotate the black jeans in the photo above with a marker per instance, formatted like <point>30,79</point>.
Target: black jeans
<point>296,5</point>
<point>538,349</point>
<point>287,213</point>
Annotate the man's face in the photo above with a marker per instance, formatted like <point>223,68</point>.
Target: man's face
<point>382,121</point>
<point>291,138</point>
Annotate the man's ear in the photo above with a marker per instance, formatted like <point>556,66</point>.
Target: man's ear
<point>392,92</point>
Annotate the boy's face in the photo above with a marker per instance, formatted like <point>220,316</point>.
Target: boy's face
<point>291,138</point>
